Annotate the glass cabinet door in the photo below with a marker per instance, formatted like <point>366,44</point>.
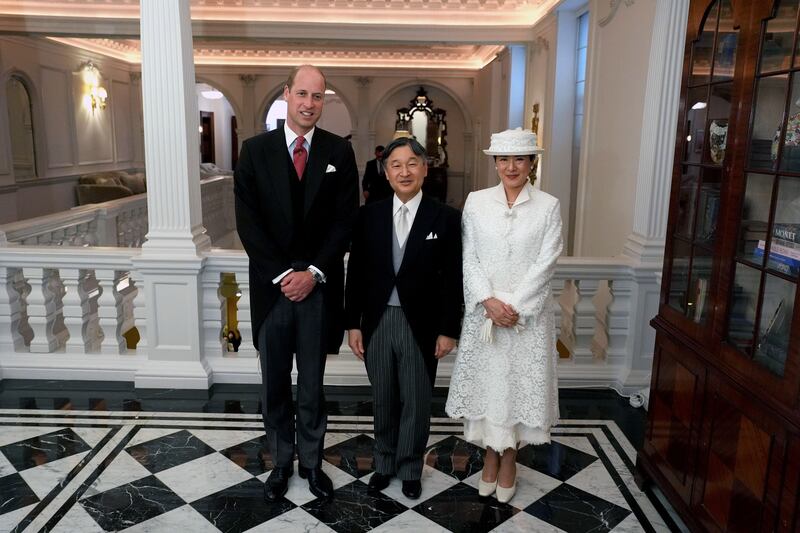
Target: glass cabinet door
<point>767,261</point>
<point>705,149</point>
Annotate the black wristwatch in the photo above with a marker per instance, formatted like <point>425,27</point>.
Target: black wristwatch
<point>316,275</point>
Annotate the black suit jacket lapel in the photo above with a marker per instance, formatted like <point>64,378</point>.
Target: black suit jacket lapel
<point>278,171</point>
<point>317,165</point>
<point>426,214</point>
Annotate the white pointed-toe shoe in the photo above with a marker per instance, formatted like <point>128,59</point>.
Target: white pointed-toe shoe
<point>504,494</point>
<point>486,488</point>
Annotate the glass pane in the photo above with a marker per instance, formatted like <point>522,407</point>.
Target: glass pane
<point>784,254</point>
<point>583,30</point>
<point>580,87</point>
<point>776,46</point>
<point>681,253</point>
<point>767,117</point>
<point>741,326</point>
<point>775,325</point>
<point>697,104</point>
<point>708,206</point>
<point>755,218</point>
<point>580,75</point>
<point>698,304</point>
<point>790,158</point>
<point>727,40</point>
<point>703,47</point>
<point>687,200</point>
<point>577,133</point>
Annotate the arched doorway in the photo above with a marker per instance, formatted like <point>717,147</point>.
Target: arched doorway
<point>218,141</point>
<point>20,122</point>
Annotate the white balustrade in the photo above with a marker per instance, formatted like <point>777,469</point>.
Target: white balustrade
<point>121,222</point>
<point>65,299</point>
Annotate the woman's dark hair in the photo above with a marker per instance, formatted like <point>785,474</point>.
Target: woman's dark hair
<point>531,156</point>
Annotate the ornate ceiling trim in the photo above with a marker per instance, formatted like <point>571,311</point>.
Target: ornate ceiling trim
<point>614,5</point>
<point>365,12</point>
<point>466,57</point>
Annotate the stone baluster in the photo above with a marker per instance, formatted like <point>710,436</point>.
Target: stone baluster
<point>585,320</point>
<point>140,311</point>
<point>108,312</point>
<point>214,315</point>
<point>57,289</point>
<point>11,297</point>
<point>127,297</point>
<point>557,288</point>
<point>75,309</point>
<point>246,349</point>
<point>618,319</point>
<point>40,307</point>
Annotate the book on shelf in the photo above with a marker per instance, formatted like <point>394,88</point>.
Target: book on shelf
<point>786,232</point>
<point>708,210</point>
<point>784,256</point>
<point>701,290</point>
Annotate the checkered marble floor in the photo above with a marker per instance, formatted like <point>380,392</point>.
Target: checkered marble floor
<point>92,471</point>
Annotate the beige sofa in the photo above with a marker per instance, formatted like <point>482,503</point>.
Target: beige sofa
<point>100,187</point>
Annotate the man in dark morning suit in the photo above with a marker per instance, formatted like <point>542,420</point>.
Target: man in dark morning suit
<point>403,302</point>
<point>374,184</point>
<point>296,192</point>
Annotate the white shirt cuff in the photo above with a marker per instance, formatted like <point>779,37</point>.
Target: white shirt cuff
<point>279,277</point>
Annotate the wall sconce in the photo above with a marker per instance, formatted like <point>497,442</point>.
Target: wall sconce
<point>95,95</point>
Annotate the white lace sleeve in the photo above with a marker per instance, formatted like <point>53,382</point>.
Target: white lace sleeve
<point>476,283</point>
<point>533,292</point>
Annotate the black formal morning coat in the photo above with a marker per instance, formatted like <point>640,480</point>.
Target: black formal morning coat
<point>429,281</point>
<point>275,239</point>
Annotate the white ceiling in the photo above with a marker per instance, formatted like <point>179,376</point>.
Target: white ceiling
<point>451,34</point>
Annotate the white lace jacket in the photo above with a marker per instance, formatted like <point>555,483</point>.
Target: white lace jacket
<point>510,254</point>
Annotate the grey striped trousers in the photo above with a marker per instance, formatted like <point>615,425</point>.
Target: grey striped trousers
<point>401,393</point>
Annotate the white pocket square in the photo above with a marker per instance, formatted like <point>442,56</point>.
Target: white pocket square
<point>431,236</point>
<point>330,168</point>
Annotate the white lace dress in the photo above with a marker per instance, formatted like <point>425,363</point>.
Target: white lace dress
<point>507,389</point>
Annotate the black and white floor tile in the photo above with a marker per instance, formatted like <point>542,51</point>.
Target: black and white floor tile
<point>96,471</point>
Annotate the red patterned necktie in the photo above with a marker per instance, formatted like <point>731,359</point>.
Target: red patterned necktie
<point>299,156</point>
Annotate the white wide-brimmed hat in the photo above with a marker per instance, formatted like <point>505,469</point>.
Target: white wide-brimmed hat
<point>513,142</point>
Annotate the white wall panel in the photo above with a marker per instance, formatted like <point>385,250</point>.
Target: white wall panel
<point>119,103</point>
<point>56,106</point>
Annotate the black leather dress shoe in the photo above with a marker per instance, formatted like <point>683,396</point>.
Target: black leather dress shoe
<point>319,483</point>
<point>277,483</point>
<point>412,488</point>
<point>378,482</point>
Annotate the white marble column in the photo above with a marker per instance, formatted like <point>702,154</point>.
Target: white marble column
<point>171,137</point>
<point>170,263</point>
<point>645,245</point>
<point>657,148</point>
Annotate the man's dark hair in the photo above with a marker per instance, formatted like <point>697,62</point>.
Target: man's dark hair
<point>380,148</point>
<point>411,142</point>
<point>295,70</point>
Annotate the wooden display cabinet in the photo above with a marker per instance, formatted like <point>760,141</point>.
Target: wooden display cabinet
<point>723,434</point>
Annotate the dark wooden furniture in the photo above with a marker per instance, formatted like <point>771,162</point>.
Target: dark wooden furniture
<point>723,436</point>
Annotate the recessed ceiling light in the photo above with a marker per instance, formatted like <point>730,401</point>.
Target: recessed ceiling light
<point>212,94</point>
